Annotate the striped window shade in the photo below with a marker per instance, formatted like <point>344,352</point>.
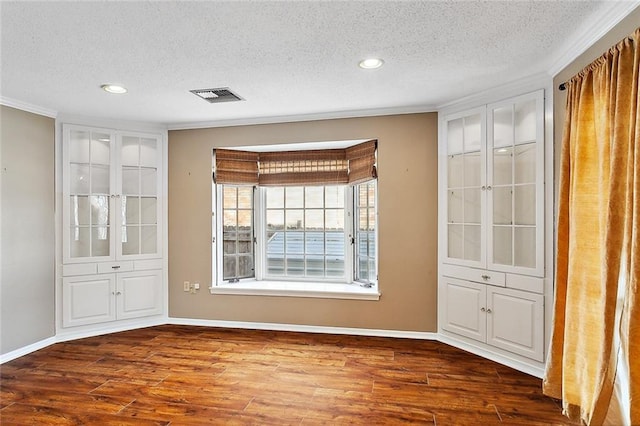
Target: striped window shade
<point>297,168</point>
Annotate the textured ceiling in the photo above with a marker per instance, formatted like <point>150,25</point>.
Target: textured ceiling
<point>285,58</point>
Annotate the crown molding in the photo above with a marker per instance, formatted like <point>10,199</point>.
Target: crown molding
<point>24,106</point>
<point>494,94</point>
<point>593,31</point>
<point>303,117</point>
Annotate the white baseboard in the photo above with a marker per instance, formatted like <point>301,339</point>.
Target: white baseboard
<point>71,334</point>
<point>305,328</point>
<point>107,329</point>
<point>500,359</point>
<point>25,350</point>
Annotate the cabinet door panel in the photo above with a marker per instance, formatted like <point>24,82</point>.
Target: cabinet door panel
<point>464,308</point>
<point>515,322</point>
<point>88,300</point>
<point>139,294</point>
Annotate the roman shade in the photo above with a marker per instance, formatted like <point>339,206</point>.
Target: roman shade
<point>236,167</point>
<point>351,165</point>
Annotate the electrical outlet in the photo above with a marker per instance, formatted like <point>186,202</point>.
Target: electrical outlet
<point>186,286</point>
<point>196,286</point>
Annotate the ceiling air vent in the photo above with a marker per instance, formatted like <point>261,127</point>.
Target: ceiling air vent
<point>214,96</point>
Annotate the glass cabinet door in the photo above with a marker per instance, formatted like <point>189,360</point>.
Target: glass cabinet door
<point>87,193</point>
<point>139,199</point>
<point>465,176</point>
<point>514,183</point>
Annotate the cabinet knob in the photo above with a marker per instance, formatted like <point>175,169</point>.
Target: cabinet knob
<point>485,277</point>
<point>489,188</point>
<point>483,188</point>
<point>118,293</point>
<point>488,311</point>
<point>482,309</point>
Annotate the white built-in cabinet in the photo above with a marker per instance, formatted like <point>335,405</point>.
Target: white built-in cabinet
<point>112,267</point>
<point>491,219</point>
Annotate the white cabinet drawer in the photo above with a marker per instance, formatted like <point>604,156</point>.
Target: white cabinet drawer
<point>147,265</point>
<point>79,269</point>
<point>473,274</point>
<point>523,282</point>
<point>108,267</point>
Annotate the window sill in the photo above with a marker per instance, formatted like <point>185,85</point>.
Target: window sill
<point>297,289</point>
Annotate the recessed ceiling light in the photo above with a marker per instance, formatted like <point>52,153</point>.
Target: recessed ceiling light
<point>371,63</point>
<point>114,88</point>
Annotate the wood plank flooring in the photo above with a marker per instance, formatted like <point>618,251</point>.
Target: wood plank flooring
<point>183,375</point>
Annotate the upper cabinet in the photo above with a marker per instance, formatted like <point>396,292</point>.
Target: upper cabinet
<point>494,183</point>
<point>112,181</point>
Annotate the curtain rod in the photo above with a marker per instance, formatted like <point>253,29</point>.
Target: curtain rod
<point>563,86</point>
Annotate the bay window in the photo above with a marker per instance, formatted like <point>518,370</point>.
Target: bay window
<point>295,216</point>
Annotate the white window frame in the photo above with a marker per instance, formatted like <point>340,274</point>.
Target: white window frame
<point>345,288</point>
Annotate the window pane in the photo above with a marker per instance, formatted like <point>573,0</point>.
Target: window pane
<point>365,260</point>
<point>275,219</point>
<point>314,197</point>
<point>229,243</point>
<point>245,242</point>
<point>372,194</point>
<point>230,220</point>
<point>148,239</point>
<point>275,197</point>
<point>315,266</point>
<point>334,196</point>
<point>314,243</point>
<point>314,219</point>
<point>245,266</point>
<point>238,236</point>
<point>294,243</point>
<point>130,240</point>
<point>294,197</point>
<point>245,197</point>
<point>100,241</point>
<point>79,210</point>
<point>229,197</point>
<point>334,219</point>
<point>229,267</point>
<point>245,219</point>
<point>295,219</point>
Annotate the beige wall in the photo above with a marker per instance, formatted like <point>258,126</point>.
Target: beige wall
<point>407,185</point>
<point>27,248</point>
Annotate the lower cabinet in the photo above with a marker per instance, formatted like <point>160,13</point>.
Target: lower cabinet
<point>91,299</point>
<point>505,318</point>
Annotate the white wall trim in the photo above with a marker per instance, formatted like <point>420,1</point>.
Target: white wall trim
<point>107,328</point>
<point>375,112</point>
<point>491,355</point>
<point>592,32</point>
<point>305,328</point>
<point>24,106</point>
<point>120,125</point>
<point>27,349</point>
<point>494,94</point>
<point>398,334</point>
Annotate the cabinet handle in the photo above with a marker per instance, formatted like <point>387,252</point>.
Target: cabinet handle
<point>482,309</point>
<point>485,277</point>
<point>118,293</point>
<point>488,311</point>
<point>115,267</point>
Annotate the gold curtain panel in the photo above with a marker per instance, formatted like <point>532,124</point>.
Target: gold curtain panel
<point>596,326</point>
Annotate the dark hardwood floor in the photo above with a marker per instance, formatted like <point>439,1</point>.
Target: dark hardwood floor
<point>182,375</point>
